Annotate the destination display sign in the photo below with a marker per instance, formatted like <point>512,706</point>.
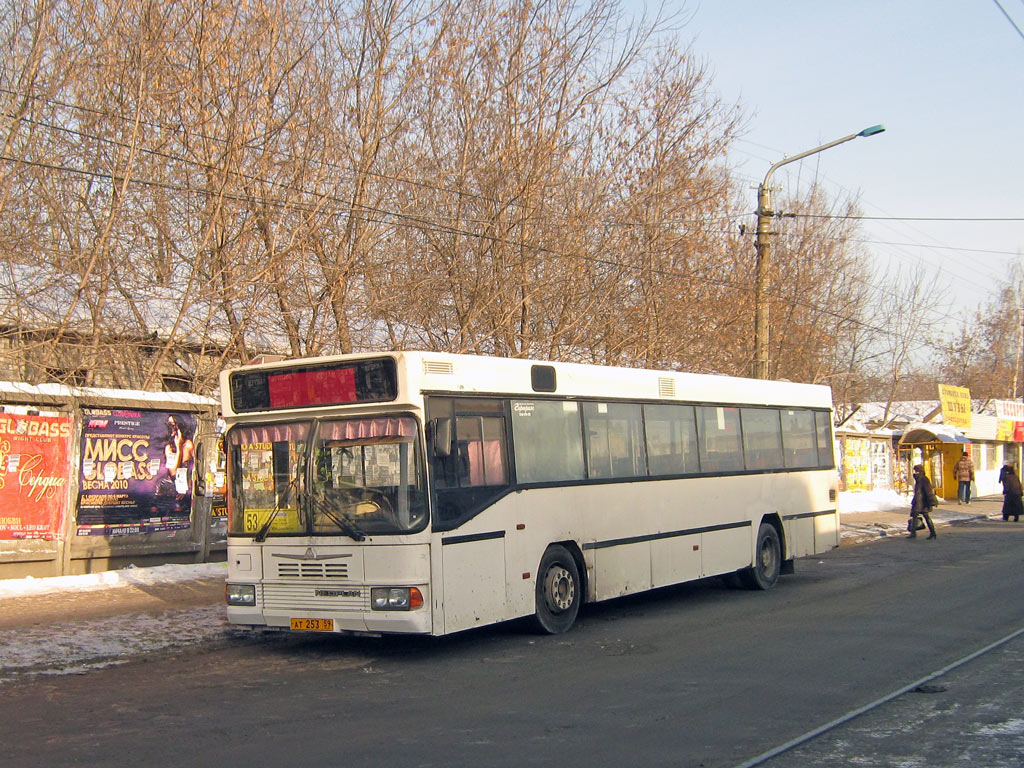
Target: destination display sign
<point>307,386</point>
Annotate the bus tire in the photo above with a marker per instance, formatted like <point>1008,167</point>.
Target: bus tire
<point>558,592</point>
<point>767,560</point>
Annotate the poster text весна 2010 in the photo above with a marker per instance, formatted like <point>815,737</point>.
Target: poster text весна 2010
<point>136,471</point>
<point>34,475</point>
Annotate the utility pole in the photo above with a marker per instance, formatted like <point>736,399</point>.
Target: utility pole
<point>762,244</point>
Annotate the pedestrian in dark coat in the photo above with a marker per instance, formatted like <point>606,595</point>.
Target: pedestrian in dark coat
<point>921,504</point>
<point>1012,493</point>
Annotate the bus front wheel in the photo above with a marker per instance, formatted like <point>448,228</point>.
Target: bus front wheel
<point>558,591</point>
<point>767,560</point>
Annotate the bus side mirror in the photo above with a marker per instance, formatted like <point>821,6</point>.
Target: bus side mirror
<point>442,439</point>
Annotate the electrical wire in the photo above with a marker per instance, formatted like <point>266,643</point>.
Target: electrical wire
<point>860,217</point>
<point>957,269</point>
<point>1009,18</point>
<point>404,219</point>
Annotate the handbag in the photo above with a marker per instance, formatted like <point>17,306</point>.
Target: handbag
<point>920,524</point>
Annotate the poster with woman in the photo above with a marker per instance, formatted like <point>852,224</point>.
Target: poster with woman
<point>136,472</point>
<point>33,475</point>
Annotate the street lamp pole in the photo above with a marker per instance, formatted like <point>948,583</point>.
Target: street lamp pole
<point>762,245</point>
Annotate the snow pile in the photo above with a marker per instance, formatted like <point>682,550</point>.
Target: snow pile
<point>131,576</point>
<point>872,501</point>
<point>858,502</point>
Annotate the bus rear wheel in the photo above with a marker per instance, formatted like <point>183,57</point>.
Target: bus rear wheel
<point>767,560</point>
<point>557,595</point>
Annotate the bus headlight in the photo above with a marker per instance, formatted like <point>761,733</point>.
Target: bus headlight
<point>240,594</point>
<point>395,598</point>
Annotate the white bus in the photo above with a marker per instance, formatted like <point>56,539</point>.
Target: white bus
<point>424,492</point>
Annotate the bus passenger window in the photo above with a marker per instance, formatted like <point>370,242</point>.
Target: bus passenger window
<point>762,438</point>
<point>718,430</point>
<point>671,439</point>
<point>798,438</point>
<point>614,440</point>
<point>823,426</point>
<point>548,440</point>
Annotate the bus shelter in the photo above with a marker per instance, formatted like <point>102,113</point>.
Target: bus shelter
<point>937,448</point>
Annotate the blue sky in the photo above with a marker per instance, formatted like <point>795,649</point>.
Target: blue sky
<point>946,78</point>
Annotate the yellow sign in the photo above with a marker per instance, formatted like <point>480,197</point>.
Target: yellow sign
<point>286,520</point>
<point>1005,430</point>
<point>856,461</point>
<point>956,406</point>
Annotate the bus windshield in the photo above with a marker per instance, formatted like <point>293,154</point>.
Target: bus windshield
<point>367,475</point>
<point>267,474</point>
<point>357,477</point>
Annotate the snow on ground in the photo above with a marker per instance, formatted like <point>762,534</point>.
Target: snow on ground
<point>857,502</point>
<point>131,576</point>
<point>872,501</point>
<point>74,647</point>
<point>77,647</point>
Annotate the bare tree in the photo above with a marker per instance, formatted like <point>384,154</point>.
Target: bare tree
<point>907,313</point>
<point>186,185</point>
<point>985,353</point>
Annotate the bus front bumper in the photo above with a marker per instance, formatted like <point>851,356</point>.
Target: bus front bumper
<point>374,622</point>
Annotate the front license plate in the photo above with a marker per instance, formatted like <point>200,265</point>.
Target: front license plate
<point>313,625</point>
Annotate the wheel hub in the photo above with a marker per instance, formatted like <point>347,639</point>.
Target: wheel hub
<point>559,589</point>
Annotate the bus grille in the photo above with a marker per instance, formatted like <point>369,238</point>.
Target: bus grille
<point>309,596</point>
<point>312,570</point>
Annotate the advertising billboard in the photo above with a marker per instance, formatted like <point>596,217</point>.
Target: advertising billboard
<point>33,475</point>
<point>136,471</point>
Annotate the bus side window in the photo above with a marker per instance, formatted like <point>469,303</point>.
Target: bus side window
<point>481,441</point>
<point>798,438</point>
<point>613,440</point>
<point>548,439</point>
<point>762,438</point>
<point>718,430</point>
<point>671,432</point>
<point>823,426</point>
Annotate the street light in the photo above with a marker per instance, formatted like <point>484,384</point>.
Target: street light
<point>764,214</point>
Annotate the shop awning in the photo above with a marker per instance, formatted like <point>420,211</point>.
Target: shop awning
<point>916,434</point>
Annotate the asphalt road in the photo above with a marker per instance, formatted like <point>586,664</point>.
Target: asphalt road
<point>698,675</point>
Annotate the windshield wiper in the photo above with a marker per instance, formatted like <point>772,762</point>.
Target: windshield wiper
<point>261,534</point>
<point>339,518</point>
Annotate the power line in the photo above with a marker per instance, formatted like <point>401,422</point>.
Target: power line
<point>952,269</point>
<point>942,247</point>
<point>418,183</point>
<point>455,192</point>
<point>1008,18</point>
<point>392,218</point>
<point>904,218</point>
